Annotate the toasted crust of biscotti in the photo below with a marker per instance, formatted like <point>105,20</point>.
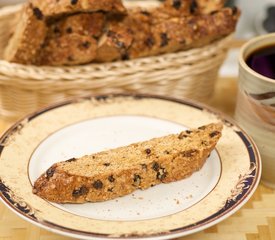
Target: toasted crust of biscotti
<point>118,172</point>
<point>28,36</point>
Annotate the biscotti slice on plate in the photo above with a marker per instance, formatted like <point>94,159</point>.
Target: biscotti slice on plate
<point>72,40</point>
<point>118,172</point>
<point>28,36</point>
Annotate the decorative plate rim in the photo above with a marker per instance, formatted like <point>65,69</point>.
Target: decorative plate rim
<point>250,181</point>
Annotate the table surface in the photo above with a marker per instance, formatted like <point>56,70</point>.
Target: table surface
<point>255,220</point>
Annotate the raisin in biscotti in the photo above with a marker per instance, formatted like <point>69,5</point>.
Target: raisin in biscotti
<point>118,172</point>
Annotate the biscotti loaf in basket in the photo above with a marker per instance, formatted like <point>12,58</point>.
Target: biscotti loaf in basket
<point>52,50</point>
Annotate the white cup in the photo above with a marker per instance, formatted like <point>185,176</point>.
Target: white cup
<point>255,110</point>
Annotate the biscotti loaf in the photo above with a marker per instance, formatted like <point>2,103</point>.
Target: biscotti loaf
<point>118,172</point>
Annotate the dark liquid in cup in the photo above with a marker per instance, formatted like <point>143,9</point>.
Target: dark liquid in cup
<point>262,61</point>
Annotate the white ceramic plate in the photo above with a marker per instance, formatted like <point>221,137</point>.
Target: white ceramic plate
<point>88,125</point>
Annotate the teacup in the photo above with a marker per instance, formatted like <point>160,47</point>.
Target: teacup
<point>255,110</point>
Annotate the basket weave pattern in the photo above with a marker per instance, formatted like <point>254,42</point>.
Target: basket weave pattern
<point>23,89</point>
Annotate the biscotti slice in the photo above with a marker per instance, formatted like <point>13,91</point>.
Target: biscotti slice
<point>55,8</point>
<point>134,30</point>
<point>154,37</point>
<point>118,172</point>
<point>73,49</point>
<point>28,36</point>
<point>179,34</point>
<point>121,34</point>
<point>181,8</point>
<point>89,24</point>
<point>72,40</point>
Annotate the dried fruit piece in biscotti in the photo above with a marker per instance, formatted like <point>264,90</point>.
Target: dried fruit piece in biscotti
<point>72,40</point>
<point>28,36</point>
<point>118,172</point>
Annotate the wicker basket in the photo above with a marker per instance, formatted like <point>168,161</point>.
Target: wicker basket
<point>23,89</point>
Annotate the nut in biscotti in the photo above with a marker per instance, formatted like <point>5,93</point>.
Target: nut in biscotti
<point>121,171</point>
